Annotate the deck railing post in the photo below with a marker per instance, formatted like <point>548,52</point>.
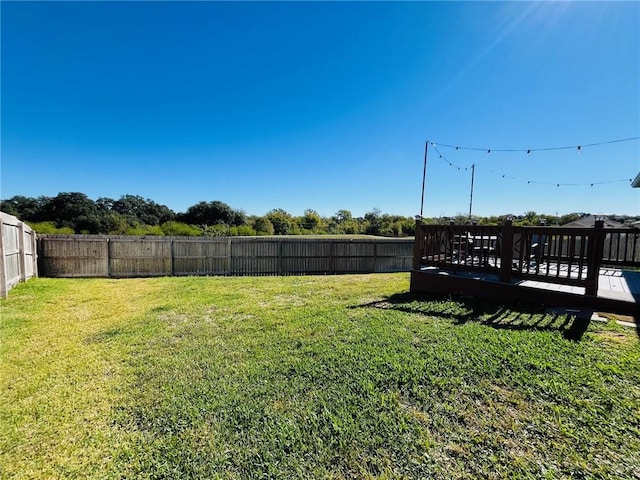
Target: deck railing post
<point>417,245</point>
<point>594,257</point>
<point>506,251</point>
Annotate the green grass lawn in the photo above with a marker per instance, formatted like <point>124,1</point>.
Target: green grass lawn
<point>307,377</point>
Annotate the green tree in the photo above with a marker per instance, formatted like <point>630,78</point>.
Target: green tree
<point>263,226</point>
<point>25,208</point>
<point>74,210</point>
<point>140,210</point>
<point>342,216</point>
<point>342,222</point>
<point>282,222</point>
<point>408,226</point>
<point>312,222</point>
<point>114,223</point>
<point>212,213</point>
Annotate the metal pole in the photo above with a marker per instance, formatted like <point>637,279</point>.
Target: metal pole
<point>473,171</point>
<point>424,176</point>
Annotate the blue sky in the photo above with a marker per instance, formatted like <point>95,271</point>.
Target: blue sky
<point>324,105</point>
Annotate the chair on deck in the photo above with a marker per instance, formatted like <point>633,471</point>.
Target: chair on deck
<point>530,256</point>
<point>485,248</point>
<point>461,247</point>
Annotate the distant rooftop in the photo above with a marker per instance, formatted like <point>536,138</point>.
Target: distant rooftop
<point>589,221</point>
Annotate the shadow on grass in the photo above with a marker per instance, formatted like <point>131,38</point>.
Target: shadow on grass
<point>496,315</point>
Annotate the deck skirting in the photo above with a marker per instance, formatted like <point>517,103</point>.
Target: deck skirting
<point>489,286</point>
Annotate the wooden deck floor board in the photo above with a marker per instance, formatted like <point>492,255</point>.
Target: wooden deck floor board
<point>624,285</point>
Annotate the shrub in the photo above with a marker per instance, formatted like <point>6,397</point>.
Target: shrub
<point>242,231</point>
<point>49,227</point>
<point>180,229</point>
<point>218,230</point>
<point>145,230</point>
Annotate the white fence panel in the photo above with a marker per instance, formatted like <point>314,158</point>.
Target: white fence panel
<point>18,257</point>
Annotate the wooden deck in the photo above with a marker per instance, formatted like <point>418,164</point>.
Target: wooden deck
<point>552,266</point>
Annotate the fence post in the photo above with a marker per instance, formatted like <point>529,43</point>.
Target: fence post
<point>4,288</point>
<point>506,251</point>
<point>228,265</point>
<point>375,256</point>
<point>171,257</point>
<point>22,254</point>
<point>332,262</point>
<point>108,257</point>
<point>34,252</point>
<point>417,244</point>
<point>594,257</point>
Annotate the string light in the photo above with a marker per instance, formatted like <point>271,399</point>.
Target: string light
<point>544,149</point>
<point>529,182</point>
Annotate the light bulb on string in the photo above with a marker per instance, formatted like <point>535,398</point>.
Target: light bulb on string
<point>579,149</point>
<point>528,152</point>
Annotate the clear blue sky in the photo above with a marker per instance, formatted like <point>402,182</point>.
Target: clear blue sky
<point>323,105</point>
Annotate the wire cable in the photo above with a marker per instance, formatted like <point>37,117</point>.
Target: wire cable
<point>535,182</point>
<point>530,150</point>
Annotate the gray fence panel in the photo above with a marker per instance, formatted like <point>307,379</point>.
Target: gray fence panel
<point>122,256</point>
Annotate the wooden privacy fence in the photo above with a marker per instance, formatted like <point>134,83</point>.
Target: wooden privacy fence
<point>18,260</point>
<point>128,256</point>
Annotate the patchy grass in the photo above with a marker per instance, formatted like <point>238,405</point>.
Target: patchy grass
<point>298,377</point>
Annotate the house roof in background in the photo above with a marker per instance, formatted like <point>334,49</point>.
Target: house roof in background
<point>589,221</point>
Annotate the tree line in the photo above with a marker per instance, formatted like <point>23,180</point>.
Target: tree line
<point>75,212</point>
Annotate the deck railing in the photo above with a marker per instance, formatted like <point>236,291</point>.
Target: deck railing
<point>563,255</point>
<point>622,247</point>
